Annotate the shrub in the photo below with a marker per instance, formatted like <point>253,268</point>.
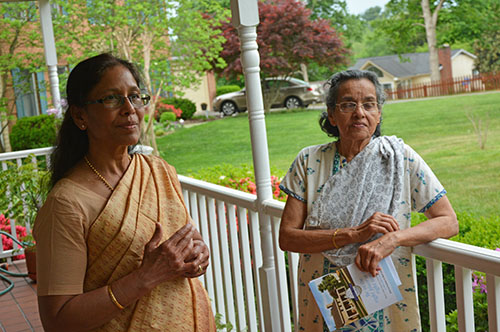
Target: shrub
<point>23,189</point>
<point>162,106</point>
<point>238,177</point>
<point>167,117</point>
<point>187,106</point>
<point>480,300</point>
<point>7,242</point>
<point>159,132</point>
<point>227,89</point>
<point>34,132</point>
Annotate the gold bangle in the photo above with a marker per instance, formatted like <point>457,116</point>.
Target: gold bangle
<point>333,239</point>
<point>113,298</point>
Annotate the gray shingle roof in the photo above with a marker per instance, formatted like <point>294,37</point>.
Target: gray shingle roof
<point>418,63</point>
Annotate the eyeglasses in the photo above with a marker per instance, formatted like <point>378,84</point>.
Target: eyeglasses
<point>115,101</point>
<point>350,106</point>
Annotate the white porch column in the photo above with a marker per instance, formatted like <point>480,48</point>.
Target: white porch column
<point>49,47</point>
<point>245,17</point>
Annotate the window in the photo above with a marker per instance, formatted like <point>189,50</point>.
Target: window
<point>29,88</point>
<point>375,70</point>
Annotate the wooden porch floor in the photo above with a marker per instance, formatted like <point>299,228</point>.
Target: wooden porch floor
<point>19,307</point>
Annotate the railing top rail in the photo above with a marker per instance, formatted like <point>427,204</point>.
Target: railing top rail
<point>273,207</point>
<point>228,195</point>
<point>25,153</point>
<point>461,254</point>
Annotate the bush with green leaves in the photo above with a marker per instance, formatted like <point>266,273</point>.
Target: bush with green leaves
<point>34,132</point>
<point>480,314</point>
<point>240,178</point>
<point>23,190</point>
<point>167,117</point>
<point>227,89</point>
<point>187,106</point>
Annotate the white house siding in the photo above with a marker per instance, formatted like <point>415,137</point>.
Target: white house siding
<point>421,79</point>
<point>203,93</point>
<point>462,65</point>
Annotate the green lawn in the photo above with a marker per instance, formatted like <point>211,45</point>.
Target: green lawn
<point>437,129</point>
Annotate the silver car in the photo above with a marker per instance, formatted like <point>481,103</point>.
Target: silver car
<point>292,93</point>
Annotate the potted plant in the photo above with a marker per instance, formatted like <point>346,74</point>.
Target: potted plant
<point>23,190</point>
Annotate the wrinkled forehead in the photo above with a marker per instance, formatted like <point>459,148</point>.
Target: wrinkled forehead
<point>357,90</point>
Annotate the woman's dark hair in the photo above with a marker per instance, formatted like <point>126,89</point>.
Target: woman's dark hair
<point>333,85</point>
<point>72,143</point>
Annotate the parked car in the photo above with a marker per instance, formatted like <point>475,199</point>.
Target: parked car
<point>292,93</point>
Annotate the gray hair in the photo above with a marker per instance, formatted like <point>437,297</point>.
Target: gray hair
<point>333,85</point>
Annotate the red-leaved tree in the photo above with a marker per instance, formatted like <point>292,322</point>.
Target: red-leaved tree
<point>287,38</point>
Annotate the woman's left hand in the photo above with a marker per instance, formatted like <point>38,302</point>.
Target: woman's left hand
<point>371,253</point>
<point>200,256</point>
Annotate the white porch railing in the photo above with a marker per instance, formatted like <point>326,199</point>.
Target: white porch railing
<point>229,223</point>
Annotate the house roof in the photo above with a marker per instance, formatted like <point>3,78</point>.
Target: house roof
<point>418,63</point>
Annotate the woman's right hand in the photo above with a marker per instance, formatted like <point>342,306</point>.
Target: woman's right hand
<point>166,261</point>
<point>378,223</point>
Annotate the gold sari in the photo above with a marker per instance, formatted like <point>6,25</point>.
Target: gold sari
<point>148,192</point>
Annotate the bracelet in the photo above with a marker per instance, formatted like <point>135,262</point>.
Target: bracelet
<point>113,298</point>
<point>333,239</point>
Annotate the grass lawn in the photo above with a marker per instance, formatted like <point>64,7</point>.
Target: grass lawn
<point>437,129</point>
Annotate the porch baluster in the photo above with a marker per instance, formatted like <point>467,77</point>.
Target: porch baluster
<point>435,295</point>
<point>493,286</point>
<point>247,269</point>
<point>465,303</point>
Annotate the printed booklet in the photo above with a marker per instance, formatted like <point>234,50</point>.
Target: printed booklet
<point>348,294</point>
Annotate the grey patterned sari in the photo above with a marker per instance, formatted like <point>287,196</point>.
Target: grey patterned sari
<point>371,182</point>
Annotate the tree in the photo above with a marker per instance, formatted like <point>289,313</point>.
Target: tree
<point>487,48</point>
<point>430,22</point>
<point>373,43</point>
<point>348,25</point>
<point>170,40</point>
<point>403,24</point>
<point>463,21</point>
<point>20,48</point>
<point>287,38</point>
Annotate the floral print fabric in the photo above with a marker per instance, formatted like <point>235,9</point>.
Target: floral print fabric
<point>305,180</point>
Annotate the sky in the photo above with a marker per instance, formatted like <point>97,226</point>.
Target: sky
<point>359,6</point>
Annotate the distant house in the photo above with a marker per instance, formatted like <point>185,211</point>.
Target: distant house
<point>413,68</point>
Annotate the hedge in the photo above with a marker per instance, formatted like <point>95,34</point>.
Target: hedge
<point>227,89</point>
<point>34,132</point>
<point>187,106</point>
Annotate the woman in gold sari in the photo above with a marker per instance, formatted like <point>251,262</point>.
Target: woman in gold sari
<point>116,248</point>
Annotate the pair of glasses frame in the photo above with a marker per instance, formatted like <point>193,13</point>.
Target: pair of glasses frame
<point>138,100</point>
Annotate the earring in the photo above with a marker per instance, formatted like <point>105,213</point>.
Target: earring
<point>83,126</point>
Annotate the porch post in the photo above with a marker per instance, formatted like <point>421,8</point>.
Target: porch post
<point>49,47</point>
<point>245,18</point>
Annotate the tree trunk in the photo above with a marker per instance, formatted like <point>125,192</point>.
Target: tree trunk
<point>4,122</point>
<point>430,20</point>
<point>148,128</point>
<point>303,69</point>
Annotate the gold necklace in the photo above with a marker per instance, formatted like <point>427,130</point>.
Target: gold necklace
<point>99,174</point>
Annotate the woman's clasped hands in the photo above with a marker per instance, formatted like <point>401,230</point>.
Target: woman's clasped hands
<point>184,254</point>
<point>371,253</point>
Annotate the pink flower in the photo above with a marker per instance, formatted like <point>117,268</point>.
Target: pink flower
<point>53,111</point>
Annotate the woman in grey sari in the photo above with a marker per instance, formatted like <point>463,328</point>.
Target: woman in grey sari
<point>350,201</point>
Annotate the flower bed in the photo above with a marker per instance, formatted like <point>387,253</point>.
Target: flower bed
<point>7,241</point>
